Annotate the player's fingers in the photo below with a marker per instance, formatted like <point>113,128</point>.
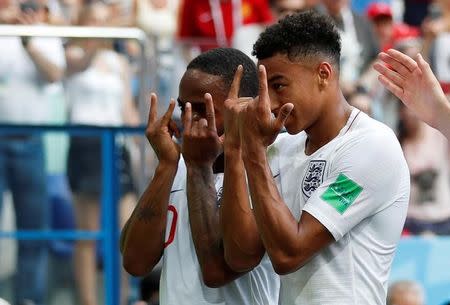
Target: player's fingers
<point>174,128</point>
<point>424,65</point>
<point>244,101</point>
<point>407,61</point>
<point>396,90</point>
<point>284,113</point>
<point>187,118</point>
<point>195,128</point>
<point>263,93</point>
<point>393,76</point>
<point>210,114</point>
<point>394,64</point>
<point>168,115</point>
<point>202,125</point>
<point>236,84</point>
<point>153,112</point>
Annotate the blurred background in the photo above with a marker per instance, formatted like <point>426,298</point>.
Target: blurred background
<point>79,174</point>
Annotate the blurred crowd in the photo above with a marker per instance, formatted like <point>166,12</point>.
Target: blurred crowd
<point>55,181</point>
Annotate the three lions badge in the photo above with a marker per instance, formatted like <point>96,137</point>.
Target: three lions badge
<point>313,177</point>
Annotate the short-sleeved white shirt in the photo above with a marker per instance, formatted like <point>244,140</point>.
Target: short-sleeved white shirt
<point>181,278</point>
<point>22,87</point>
<point>357,186</point>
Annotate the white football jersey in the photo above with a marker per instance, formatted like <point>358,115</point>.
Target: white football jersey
<point>357,186</point>
<point>181,279</point>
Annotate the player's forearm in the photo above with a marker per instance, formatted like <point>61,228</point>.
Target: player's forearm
<point>277,226</point>
<point>242,244</point>
<point>48,70</point>
<point>142,239</point>
<point>205,229</point>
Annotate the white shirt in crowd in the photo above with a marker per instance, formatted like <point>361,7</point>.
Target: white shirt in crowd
<point>427,158</point>
<point>23,99</point>
<point>181,278</point>
<point>357,186</point>
<point>96,95</point>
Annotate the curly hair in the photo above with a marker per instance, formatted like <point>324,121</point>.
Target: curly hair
<point>300,36</point>
<point>224,62</point>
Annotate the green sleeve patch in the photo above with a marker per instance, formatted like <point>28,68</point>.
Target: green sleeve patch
<point>342,193</point>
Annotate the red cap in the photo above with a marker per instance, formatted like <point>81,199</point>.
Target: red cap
<point>378,9</point>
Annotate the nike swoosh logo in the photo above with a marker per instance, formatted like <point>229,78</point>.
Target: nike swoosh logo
<point>174,191</point>
<point>276,175</point>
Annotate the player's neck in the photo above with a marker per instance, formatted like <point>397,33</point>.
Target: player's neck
<point>328,125</point>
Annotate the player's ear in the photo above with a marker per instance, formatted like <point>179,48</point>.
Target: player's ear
<point>324,73</point>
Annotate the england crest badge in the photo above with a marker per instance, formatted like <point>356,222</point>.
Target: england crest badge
<point>313,177</point>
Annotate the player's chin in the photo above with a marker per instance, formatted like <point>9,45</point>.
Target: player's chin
<point>292,125</point>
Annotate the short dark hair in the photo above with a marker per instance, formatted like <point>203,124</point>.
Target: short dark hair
<point>224,62</point>
<point>302,35</point>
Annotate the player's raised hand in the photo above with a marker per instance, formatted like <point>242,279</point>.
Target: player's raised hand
<point>256,121</point>
<point>413,82</point>
<point>201,144</point>
<point>232,107</point>
<point>160,132</point>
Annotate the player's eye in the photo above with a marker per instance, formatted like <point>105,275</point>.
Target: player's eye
<point>277,86</point>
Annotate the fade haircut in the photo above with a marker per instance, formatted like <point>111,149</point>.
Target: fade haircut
<point>301,36</point>
<point>223,62</point>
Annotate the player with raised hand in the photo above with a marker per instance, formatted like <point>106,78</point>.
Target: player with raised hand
<point>329,207</point>
<point>150,214</point>
<point>194,270</point>
<point>413,82</point>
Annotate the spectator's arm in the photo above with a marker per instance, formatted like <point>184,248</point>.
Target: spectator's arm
<point>130,113</point>
<point>413,82</point>
<point>78,58</point>
<point>47,68</point>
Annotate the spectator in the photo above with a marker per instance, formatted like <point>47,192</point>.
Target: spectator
<point>359,47</point>
<point>98,90</point>
<point>436,31</point>
<point>216,20</point>
<point>362,101</point>
<point>282,8</point>
<point>27,66</point>
<point>415,11</point>
<point>426,152</point>
<point>384,104</point>
<point>405,293</point>
<point>388,32</point>
<point>158,18</point>
<point>245,36</point>
<point>69,10</point>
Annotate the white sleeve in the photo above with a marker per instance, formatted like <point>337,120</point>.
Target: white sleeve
<point>367,174</point>
<point>52,49</point>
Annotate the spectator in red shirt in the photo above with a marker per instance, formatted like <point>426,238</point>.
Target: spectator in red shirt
<point>211,23</point>
<point>388,32</point>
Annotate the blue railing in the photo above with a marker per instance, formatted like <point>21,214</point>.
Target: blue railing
<point>109,232</point>
<point>425,260</point>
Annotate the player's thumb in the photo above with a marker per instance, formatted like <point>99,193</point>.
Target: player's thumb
<point>283,115</point>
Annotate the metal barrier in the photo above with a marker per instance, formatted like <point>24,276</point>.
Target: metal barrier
<point>148,62</point>
<point>109,232</point>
